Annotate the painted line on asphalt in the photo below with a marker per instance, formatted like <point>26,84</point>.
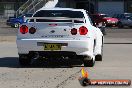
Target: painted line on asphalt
<point>118,43</point>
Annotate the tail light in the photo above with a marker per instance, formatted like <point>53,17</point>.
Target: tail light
<point>24,29</point>
<point>32,30</point>
<point>74,31</point>
<point>83,30</point>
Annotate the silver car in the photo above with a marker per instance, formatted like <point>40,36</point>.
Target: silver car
<point>125,19</point>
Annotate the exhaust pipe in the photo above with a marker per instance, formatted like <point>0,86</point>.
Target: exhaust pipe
<point>36,55</point>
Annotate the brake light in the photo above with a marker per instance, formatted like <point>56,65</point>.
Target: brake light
<point>24,29</point>
<point>32,30</point>
<point>83,30</point>
<point>74,31</point>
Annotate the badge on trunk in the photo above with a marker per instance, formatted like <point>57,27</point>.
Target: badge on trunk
<point>52,31</point>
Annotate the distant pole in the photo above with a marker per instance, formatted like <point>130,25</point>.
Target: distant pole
<point>89,6</point>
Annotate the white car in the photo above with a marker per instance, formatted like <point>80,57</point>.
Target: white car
<point>59,32</point>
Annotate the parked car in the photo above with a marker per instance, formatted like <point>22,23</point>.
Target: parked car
<point>100,25</point>
<point>59,32</point>
<point>15,22</point>
<point>125,19</point>
<point>105,19</point>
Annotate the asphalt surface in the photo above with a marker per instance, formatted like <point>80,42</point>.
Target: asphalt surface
<point>116,64</point>
<point>7,30</point>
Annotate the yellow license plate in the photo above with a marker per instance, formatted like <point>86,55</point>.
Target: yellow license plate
<point>52,46</point>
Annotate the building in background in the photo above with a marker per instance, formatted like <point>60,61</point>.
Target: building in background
<point>128,6</point>
<point>114,6</point>
<point>9,7</point>
<point>88,5</point>
<point>110,7</point>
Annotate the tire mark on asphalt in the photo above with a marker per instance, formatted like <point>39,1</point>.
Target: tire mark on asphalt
<point>71,77</point>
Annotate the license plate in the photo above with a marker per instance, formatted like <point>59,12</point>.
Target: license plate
<point>52,47</point>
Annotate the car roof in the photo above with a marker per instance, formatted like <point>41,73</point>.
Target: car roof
<point>122,13</point>
<point>61,9</point>
<point>99,14</point>
<point>127,13</point>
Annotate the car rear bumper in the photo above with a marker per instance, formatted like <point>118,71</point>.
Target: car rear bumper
<point>76,47</point>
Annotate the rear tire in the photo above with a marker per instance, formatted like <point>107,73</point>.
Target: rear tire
<point>88,63</point>
<point>16,25</point>
<point>24,60</point>
<point>103,30</point>
<point>98,57</point>
<point>130,26</point>
<point>120,25</point>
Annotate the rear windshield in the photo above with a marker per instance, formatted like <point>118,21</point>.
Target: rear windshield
<point>59,13</point>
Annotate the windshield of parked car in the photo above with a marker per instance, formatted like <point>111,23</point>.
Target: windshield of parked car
<point>104,16</point>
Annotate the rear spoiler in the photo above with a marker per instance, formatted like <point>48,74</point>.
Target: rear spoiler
<point>27,19</point>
